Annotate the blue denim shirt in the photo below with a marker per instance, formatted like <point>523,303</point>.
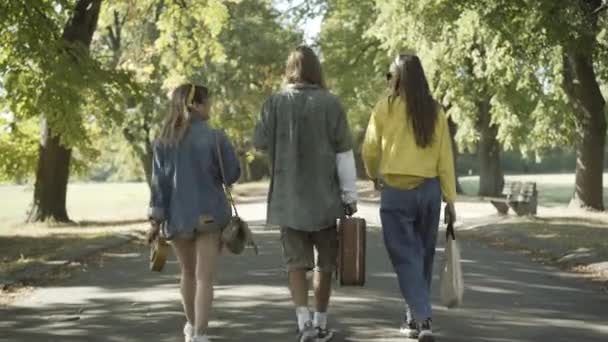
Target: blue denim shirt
<point>186,185</point>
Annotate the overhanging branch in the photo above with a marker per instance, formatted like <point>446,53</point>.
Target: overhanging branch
<point>600,9</point>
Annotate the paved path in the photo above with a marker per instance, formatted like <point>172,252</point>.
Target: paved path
<point>508,298</point>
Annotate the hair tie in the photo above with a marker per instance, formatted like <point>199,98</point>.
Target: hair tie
<point>190,98</point>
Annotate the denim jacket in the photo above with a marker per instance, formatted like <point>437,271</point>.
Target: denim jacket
<point>186,185</point>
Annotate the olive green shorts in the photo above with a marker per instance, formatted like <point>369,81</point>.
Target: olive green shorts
<point>299,249</point>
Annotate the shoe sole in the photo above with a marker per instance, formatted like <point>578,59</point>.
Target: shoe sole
<point>325,339</point>
<point>409,333</point>
<point>308,338</point>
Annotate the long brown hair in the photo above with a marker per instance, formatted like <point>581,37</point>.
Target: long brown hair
<point>303,66</point>
<point>407,80</point>
<point>180,113</point>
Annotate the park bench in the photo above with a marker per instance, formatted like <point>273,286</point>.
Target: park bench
<point>522,197</point>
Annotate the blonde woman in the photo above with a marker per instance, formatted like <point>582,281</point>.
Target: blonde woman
<point>187,196</point>
<point>407,148</point>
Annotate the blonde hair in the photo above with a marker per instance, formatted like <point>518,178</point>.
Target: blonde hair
<point>179,115</point>
<point>303,66</point>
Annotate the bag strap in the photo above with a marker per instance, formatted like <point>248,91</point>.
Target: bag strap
<point>223,173</point>
<point>449,231</point>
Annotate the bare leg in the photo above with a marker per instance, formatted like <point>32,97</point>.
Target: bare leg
<point>322,284</point>
<point>185,252</point>
<point>207,253</point>
<point>298,285</point>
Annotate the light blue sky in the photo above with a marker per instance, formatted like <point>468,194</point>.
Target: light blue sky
<point>311,27</point>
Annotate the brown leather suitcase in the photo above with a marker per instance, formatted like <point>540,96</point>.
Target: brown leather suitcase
<point>351,253</point>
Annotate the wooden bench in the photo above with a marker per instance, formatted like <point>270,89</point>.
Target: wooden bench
<point>522,197</point>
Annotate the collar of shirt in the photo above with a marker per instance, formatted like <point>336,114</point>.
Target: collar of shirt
<point>301,86</point>
<point>198,119</point>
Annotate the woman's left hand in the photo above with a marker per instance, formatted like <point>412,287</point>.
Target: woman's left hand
<point>153,232</point>
<point>450,213</point>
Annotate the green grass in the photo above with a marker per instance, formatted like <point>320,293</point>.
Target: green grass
<point>108,208</point>
<point>100,210</point>
<point>85,202</point>
<point>569,244</point>
<point>553,189</point>
<point>113,202</point>
<point>19,252</point>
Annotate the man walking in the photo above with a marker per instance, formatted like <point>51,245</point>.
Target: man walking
<point>305,132</point>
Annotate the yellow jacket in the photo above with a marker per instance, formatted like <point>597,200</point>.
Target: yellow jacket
<point>390,151</point>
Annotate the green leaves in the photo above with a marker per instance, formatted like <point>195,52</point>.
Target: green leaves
<point>236,48</point>
<point>19,149</point>
<point>354,61</point>
<point>44,76</point>
<point>188,37</point>
<point>488,51</point>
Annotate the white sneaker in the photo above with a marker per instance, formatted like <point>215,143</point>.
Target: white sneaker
<point>188,332</point>
<point>308,334</point>
<point>409,329</point>
<point>324,335</point>
<point>426,334</point>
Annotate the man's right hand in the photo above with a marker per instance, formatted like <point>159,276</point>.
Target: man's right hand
<point>377,185</point>
<point>350,209</point>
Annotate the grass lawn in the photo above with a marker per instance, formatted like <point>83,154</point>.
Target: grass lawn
<point>21,251</point>
<point>553,189</point>
<point>100,210</point>
<point>574,246</point>
<point>104,209</point>
<point>85,201</point>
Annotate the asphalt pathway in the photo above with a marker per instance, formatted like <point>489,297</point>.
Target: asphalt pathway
<point>508,298</point>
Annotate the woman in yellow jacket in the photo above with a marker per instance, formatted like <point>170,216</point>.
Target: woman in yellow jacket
<point>407,149</point>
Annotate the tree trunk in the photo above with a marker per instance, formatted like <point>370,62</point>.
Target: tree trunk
<point>142,149</point>
<point>53,169</point>
<point>51,179</point>
<point>588,103</point>
<point>491,177</point>
<point>453,129</point>
<point>145,156</point>
<point>246,167</point>
<point>146,160</point>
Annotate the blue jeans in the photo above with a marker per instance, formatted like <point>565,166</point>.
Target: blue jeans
<point>410,221</point>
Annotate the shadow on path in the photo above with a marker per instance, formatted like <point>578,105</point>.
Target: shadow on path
<point>507,299</point>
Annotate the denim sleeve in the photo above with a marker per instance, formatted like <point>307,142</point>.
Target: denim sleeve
<point>160,189</point>
<point>232,166</point>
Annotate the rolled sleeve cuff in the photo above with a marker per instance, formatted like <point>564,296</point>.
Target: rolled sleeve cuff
<point>156,213</point>
<point>347,174</point>
<point>449,196</point>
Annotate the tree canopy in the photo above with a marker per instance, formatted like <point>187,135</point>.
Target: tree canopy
<point>525,75</point>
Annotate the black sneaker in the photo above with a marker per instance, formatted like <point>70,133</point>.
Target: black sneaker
<point>308,334</point>
<point>425,334</point>
<point>409,328</point>
<point>324,335</point>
